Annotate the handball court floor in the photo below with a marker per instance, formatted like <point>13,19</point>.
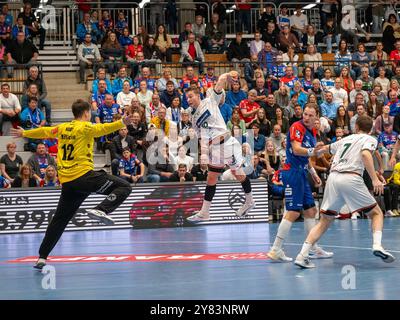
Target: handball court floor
<point>238,278</point>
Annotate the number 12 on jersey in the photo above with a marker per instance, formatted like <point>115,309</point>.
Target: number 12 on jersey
<point>67,152</point>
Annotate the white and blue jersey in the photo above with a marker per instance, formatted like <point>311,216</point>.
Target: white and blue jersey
<point>106,113</point>
<point>130,166</point>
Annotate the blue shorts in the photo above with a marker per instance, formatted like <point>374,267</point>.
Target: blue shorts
<point>298,193</point>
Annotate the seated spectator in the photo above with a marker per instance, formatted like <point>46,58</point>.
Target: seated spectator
<point>282,96</point>
<point>9,109</point>
<point>121,24</point>
<point>298,22</point>
<point>236,121</point>
<point>347,80</point>
<point>152,55</point>
<point>306,81</point>
<point>10,163</point>
<point>191,53</point>
<point>360,111</point>
<point>132,51</point>
<point>183,36</point>
<point>311,37</point>
<point>153,107</point>
<point>5,30</point>
<point>107,110</point>
<point>394,85</point>
<point>359,99</point>
<point>161,168</point>
<point>340,96</point>
<point>317,91</point>
<point>106,24</point>
<point>164,43</point>
<point>131,168</point>
<point>358,89</point>
<point>101,75</point>
<point>360,59</point>
<point>144,95</point>
<point>184,125</point>
<point>341,120</point>
<point>297,114</point>
<point>329,107</point>
<point>182,157</point>
<point>259,139</point>
<point>161,122</point>
<point>386,141</point>
<point>271,35</point>
<point>125,97</point>
<point>289,79</point>
<point>238,51</point>
<point>19,27</point>
<point>209,79</point>
<point>161,83</point>
<point>302,97</point>
<point>270,159</point>
<point>25,178</point>
<point>174,112</point>
<point>200,171</point>
<point>283,18</point>
<point>330,34</point>
<point>88,56</point>
<point>199,30</point>
<point>343,59</point>
<point>374,107</point>
<point>94,18</point>
<point>382,80</point>
<point>263,123</point>
<point>313,59</point>
<point>112,53</point>
<point>262,92</point>
<point>32,117</point>
<point>367,81</point>
<point>118,82</point>
<point>32,24</point>
<point>142,35</point>
<point>395,55</point>
<point>4,183</point>
<point>8,16</point>
<point>187,79</point>
<point>34,78</point>
<point>287,39</point>
<point>277,72</point>
<point>383,119</point>
<point>235,95</point>
<point>393,103</point>
<point>248,108</point>
<point>168,95</point>
<point>87,27</point>
<point>98,97</point>
<point>290,58</point>
<point>267,57</point>
<point>277,136</point>
<point>21,51</point>
<point>40,161</point>
<point>145,76</point>
<point>380,59</point>
<point>252,72</point>
<point>327,82</point>
<point>215,32</point>
<point>181,174</point>
<point>125,39</point>
<point>50,178</point>
<point>238,134</point>
<point>137,130</point>
<point>256,45</point>
<point>281,120</point>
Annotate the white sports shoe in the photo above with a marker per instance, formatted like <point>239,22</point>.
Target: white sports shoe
<point>199,216</point>
<point>303,262</point>
<point>245,209</point>
<point>319,253</point>
<point>279,256</point>
<point>383,254</point>
<point>100,215</point>
<point>389,213</point>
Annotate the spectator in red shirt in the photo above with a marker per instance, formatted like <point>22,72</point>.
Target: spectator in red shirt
<point>191,53</point>
<point>243,9</point>
<point>289,79</point>
<point>185,82</point>
<point>249,108</point>
<point>395,56</point>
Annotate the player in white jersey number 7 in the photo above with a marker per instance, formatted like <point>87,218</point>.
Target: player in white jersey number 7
<point>345,185</point>
<point>223,149</point>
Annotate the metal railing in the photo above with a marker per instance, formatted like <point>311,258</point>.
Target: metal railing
<point>20,74</point>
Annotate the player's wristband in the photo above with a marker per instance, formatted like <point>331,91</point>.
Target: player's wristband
<point>310,152</point>
<point>312,171</point>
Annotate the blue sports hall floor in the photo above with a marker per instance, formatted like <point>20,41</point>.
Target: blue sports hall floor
<point>224,273</point>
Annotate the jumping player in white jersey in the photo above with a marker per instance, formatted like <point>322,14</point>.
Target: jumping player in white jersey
<point>345,185</point>
<point>223,148</point>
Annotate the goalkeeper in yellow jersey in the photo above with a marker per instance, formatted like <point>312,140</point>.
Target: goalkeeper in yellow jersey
<point>75,170</point>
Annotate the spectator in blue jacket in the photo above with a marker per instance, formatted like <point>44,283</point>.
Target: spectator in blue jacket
<point>125,39</point>
<point>32,117</point>
<point>19,27</point>
<point>118,82</point>
<point>259,139</point>
<point>169,94</point>
<point>101,75</point>
<point>235,95</point>
<point>87,27</point>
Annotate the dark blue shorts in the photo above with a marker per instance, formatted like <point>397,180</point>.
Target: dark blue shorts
<point>298,193</point>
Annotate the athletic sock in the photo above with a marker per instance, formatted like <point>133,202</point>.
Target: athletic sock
<point>377,237</point>
<point>305,250</point>
<point>246,185</point>
<point>283,231</point>
<point>206,206</point>
<point>309,223</point>
<point>249,197</point>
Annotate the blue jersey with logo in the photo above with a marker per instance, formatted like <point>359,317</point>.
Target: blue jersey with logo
<point>151,83</point>
<point>106,113</point>
<point>3,182</point>
<point>298,132</point>
<point>130,166</point>
<point>387,139</point>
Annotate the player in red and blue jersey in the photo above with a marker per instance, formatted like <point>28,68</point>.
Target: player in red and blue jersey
<point>301,145</point>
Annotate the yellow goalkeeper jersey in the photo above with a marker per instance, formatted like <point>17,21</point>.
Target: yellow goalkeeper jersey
<point>75,145</point>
